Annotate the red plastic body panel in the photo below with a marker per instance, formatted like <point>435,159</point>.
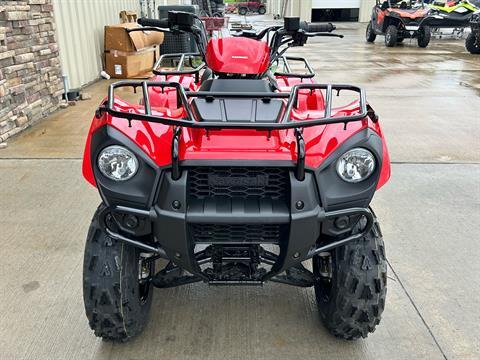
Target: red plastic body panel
<point>238,56</point>
<point>155,139</point>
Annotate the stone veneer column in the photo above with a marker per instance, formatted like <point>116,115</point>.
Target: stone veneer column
<point>30,77</point>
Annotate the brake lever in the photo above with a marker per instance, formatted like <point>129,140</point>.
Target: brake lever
<point>250,35</point>
<point>324,34</point>
<point>149,28</point>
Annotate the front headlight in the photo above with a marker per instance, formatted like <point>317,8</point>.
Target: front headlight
<point>356,165</point>
<point>117,163</point>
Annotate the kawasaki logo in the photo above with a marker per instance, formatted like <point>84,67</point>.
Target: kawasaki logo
<point>239,57</point>
<point>250,181</point>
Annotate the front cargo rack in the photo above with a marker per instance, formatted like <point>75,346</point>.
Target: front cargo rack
<point>283,121</point>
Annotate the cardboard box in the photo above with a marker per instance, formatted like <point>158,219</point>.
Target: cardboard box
<point>117,38</point>
<point>127,65</point>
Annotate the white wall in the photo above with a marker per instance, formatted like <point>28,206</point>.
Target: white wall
<point>80,25</point>
<point>336,4</point>
<point>304,7</point>
<point>366,10</point>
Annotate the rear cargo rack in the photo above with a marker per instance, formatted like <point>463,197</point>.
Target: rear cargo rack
<point>178,64</point>
<point>284,62</point>
<point>283,121</point>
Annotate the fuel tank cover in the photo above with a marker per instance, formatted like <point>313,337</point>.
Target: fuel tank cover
<point>238,56</point>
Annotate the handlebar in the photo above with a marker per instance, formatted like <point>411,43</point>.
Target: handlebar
<point>162,23</point>
<point>292,33</point>
<point>317,28</point>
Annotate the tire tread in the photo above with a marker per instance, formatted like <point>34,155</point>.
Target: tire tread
<point>358,296</point>
<point>111,311</point>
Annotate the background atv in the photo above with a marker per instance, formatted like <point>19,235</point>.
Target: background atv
<point>235,170</point>
<point>472,43</point>
<point>398,20</point>
<point>251,7</point>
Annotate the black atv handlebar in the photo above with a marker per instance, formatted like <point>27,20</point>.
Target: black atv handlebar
<point>293,33</point>
<point>162,23</point>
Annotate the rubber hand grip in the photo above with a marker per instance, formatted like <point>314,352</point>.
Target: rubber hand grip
<point>162,23</point>
<point>317,28</point>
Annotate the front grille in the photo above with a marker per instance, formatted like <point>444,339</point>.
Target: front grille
<point>245,234</point>
<point>238,182</point>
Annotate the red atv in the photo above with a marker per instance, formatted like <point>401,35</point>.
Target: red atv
<point>399,20</point>
<point>235,170</point>
<point>251,7</point>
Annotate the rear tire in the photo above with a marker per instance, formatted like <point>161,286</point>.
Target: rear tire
<point>391,36</point>
<point>424,36</point>
<point>370,35</point>
<point>472,44</point>
<point>116,304</point>
<point>262,10</point>
<point>351,302</point>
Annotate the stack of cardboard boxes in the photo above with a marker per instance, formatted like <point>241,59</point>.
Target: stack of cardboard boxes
<point>130,54</point>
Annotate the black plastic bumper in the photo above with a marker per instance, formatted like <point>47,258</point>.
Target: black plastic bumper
<point>171,219</point>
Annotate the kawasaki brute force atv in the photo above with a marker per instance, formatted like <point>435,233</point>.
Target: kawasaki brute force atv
<point>399,20</point>
<point>472,43</point>
<point>235,174</point>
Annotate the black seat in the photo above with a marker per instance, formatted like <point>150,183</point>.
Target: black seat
<point>236,85</point>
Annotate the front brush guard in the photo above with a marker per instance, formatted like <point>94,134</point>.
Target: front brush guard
<point>286,267</point>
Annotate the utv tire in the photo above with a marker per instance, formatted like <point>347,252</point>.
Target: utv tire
<point>117,306</point>
<point>424,36</point>
<point>352,301</point>
<point>472,44</point>
<point>391,36</point>
<point>262,10</point>
<point>243,11</point>
<point>370,35</point>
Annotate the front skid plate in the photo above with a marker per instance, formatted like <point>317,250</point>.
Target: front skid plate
<point>172,276</point>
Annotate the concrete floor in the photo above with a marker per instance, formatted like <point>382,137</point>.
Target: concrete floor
<point>428,101</point>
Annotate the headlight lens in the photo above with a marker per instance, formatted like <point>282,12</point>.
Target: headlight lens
<point>356,165</point>
<point>117,163</point>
